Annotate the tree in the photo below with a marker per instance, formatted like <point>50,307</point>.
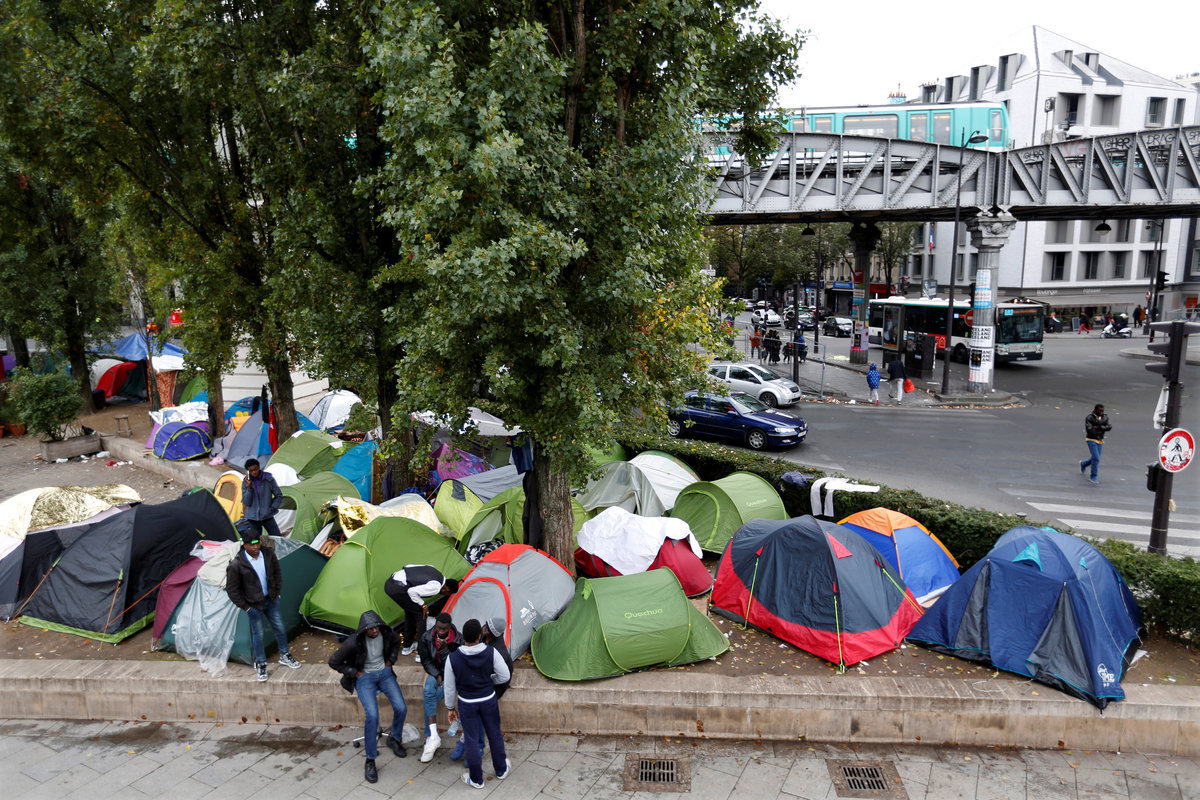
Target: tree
<point>543,191</point>
<point>896,242</point>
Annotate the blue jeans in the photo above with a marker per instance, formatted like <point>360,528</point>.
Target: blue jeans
<point>368,685</point>
<point>1093,448</point>
<point>477,719</point>
<point>273,615</point>
<point>258,526</point>
<point>433,695</point>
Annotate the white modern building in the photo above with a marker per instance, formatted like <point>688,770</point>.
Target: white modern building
<point>1056,89</point>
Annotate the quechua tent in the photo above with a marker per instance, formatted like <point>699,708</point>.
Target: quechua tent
<point>525,586</point>
<point>816,585</point>
<point>458,499</point>
<point>333,409</point>
<point>177,441</point>
<point>1045,605</point>
<point>499,519</point>
<point>355,465</point>
<point>309,452</point>
<point>300,511</point>
<point>618,625</point>
<point>922,560</point>
<point>715,510</point>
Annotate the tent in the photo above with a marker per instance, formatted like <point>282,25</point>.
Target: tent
<point>133,348</point>
<point>352,581</point>
<point>500,519</point>
<point>124,379</point>
<point>524,585</point>
<point>355,465</point>
<point>648,484</point>
<point>196,389</point>
<point>101,581</point>
<point>616,542</point>
<point>618,625</point>
<point>305,499</point>
<point>228,491</point>
<point>921,559</point>
<point>205,622</point>
<point>614,452</point>
<point>1045,605</point>
<point>247,442</point>
<point>816,585</point>
<point>333,408</point>
<point>177,441</point>
<point>57,506</point>
<point>458,499</point>
<point>309,452</point>
<point>173,588</point>
<point>715,510</point>
<point>99,367</point>
<point>450,462</point>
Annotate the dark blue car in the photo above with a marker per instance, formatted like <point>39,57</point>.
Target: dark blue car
<point>735,417</point>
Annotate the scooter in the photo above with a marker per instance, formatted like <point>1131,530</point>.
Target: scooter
<point>1110,332</point>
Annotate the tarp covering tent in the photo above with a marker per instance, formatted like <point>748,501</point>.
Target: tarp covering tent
<point>333,408</point>
<point>173,588</point>
<point>177,441</point>
<point>133,348</point>
<point>206,625</point>
<point>355,466</point>
<point>525,586</point>
<point>458,499</point>
<point>616,542</point>
<point>101,581</point>
<point>816,585</point>
<point>923,562</point>
<point>1045,605</point>
<point>249,441</point>
<point>715,510</point>
<point>618,625</point>
<point>450,462</point>
<point>648,484</point>
<point>52,506</point>
<point>353,579</point>
<point>309,452</point>
<point>305,500</point>
<point>499,519</point>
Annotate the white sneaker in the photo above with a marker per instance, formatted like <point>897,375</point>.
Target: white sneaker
<point>432,743</point>
<point>455,727</point>
<point>408,651</point>
<point>507,769</point>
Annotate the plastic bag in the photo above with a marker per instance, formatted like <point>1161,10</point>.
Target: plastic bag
<point>908,386</point>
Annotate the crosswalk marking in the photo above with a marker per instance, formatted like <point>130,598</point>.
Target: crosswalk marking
<point>1112,512</point>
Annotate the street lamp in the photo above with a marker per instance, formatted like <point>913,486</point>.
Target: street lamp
<point>808,231</point>
<point>975,138</point>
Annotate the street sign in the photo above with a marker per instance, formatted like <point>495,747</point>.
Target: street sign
<point>969,316</point>
<point>1175,450</point>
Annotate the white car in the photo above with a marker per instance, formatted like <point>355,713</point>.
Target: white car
<point>770,389</point>
<point>766,316</point>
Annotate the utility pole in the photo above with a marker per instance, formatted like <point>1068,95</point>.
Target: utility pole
<point>1159,480</point>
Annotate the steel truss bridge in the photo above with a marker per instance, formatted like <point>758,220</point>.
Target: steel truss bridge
<point>815,176</point>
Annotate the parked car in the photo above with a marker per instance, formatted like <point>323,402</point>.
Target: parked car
<point>772,390</point>
<point>735,417</point>
<point>838,326</point>
<point>766,316</point>
<point>747,304</point>
<point>807,321</point>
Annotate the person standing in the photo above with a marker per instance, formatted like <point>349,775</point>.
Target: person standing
<point>493,634</point>
<point>435,647</point>
<point>475,669</point>
<point>755,341</point>
<point>873,384</point>
<point>261,498</point>
<point>410,588</point>
<point>253,582</point>
<point>365,661</point>
<point>1095,425</point>
<point>896,375</point>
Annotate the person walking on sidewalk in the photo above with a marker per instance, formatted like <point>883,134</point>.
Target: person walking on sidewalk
<point>1095,425</point>
<point>435,646</point>
<point>896,375</point>
<point>873,384</point>
<point>253,582</point>
<point>365,661</point>
<point>474,671</point>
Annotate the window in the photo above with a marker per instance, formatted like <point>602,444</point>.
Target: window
<point>915,270</point>
<point>1068,109</point>
<point>823,124</point>
<point>1119,260</point>
<point>958,267</point>
<point>884,125</point>
<point>1060,231</point>
<point>997,127</point>
<point>1091,266</point>
<point>1147,263</point>
<point>918,127</point>
<point>1104,109</point>
<point>1058,266</point>
<point>1008,65</point>
<point>1123,229</point>
<point>929,93</point>
<point>1156,111</point>
<point>1177,119</point>
<point>978,78</point>
<point>941,128</point>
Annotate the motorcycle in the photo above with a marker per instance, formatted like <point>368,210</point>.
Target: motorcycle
<point>1110,332</point>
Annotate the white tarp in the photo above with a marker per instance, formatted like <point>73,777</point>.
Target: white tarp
<point>629,543</point>
<point>647,484</point>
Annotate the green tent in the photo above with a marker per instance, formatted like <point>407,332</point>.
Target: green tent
<point>614,452</point>
<point>196,386</point>
<point>500,518</point>
<point>310,452</point>
<point>307,497</point>
<point>618,625</point>
<point>206,610</point>
<point>715,510</point>
<point>352,581</point>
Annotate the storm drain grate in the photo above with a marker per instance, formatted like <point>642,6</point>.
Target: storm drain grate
<point>866,779</point>
<point>646,773</point>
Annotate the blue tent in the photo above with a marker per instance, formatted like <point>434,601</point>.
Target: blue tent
<point>355,466</point>
<point>178,441</point>
<point>133,348</point>
<point>1045,605</point>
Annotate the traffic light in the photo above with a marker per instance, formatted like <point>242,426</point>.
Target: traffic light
<point>971,294</point>
<point>904,285</point>
<point>1160,280</point>
<point>1176,334</point>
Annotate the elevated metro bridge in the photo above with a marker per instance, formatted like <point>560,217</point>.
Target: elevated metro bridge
<point>821,176</point>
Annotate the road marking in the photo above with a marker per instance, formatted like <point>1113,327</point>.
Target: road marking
<point>1110,512</point>
<point>1141,532</point>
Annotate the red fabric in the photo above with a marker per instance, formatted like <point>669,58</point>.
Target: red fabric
<point>112,380</point>
<point>273,432</point>
<point>171,592</point>
<point>675,555</point>
<point>839,549</point>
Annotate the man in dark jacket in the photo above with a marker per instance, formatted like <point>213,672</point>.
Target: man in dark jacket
<point>411,588</point>
<point>261,498</point>
<point>473,672</point>
<point>253,582</point>
<point>435,645</point>
<point>1095,425</point>
<point>896,375</point>
<point>365,660</point>
<point>493,634</point>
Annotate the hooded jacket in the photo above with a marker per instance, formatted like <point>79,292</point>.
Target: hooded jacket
<point>433,661</point>
<point>261,498</point>
<point>351,657</point>
<point>242,584</point>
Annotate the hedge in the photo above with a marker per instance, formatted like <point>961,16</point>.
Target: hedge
<point>1168,589</point>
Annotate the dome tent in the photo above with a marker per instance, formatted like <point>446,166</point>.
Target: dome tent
<point>309,452</point>
<point>923,562</point>
<point>616,542</point>
<point>715,510</point>
<point>333,409</point>
<point>178,441</point>
<point>648,485</point>
<point>304,501</point>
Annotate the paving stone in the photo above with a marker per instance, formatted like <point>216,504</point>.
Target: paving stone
<point>760,780</point>
<point>1091,782</point>
<point>1001,781</point>
<point>1153,786</point>
<point>1050,783</point>
<point>527,779</point>
<point>809,779</point>
<point>578,775</point>
<point>951,780</point>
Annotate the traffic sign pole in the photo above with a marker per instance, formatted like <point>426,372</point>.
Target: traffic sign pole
<point>1174,348</point>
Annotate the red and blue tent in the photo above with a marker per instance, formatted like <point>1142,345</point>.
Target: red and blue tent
<point>921,559</point>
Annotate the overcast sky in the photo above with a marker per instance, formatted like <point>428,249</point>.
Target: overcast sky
<point>858,52</point>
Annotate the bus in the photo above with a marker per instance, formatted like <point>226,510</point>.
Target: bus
<point>1020,323</point>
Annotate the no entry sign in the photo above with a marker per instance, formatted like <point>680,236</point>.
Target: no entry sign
<point>1175,450</point>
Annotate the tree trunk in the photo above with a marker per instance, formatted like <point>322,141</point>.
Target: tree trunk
<point>77,357</point>
<point>279,376</point>
<point>216,404</point>
<point>400,462</point>
<point>20,347</point>
<point>554,503</point>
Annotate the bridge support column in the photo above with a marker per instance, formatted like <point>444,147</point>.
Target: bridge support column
<point>864,236</point>
<point>989,232</point>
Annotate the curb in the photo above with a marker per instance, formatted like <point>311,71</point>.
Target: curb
<point>191,473</point>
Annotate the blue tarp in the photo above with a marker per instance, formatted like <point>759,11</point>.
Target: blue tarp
<point>133,348</point>
<point>355,466</point>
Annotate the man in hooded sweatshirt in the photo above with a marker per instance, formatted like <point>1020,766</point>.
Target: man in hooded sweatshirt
<point>474,671</point>
<point>365,660</point>
<point>493,634</point>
